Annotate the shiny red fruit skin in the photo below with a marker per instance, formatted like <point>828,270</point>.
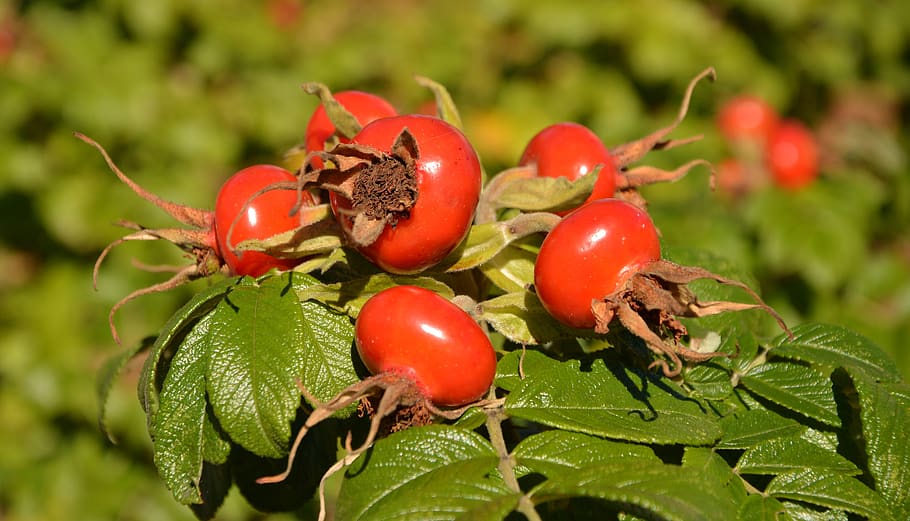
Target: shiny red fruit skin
<point>571,150</point>
<point>448,188</point>
<point>589,255</point>
<point>792,155</point>
<point>364,106</point>
<point>747,117</point>
<point>416,333</point>
<point>265,216</point>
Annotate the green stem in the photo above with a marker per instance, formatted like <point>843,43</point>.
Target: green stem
<point>760,359</point>
<point>506,464</point>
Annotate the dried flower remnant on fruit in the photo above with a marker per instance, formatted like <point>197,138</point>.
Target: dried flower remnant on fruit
<point>650,302</point>
<point>386,190</point>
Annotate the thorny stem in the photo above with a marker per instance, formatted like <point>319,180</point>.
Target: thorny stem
<point>495,416</point>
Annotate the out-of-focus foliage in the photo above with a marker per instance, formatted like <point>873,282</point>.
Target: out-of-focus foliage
<point>183,93</point>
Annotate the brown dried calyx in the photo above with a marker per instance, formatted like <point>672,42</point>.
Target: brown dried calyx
<point>650,302</point>
<point>630,179</point>
<point>393,402</point>
<point>197,240</point>
<point>381,187</point>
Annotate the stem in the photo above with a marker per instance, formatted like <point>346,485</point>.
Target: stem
<point>760,359</point>
<point>526,224</point>
<point>506,465</point>
<point>750,488</point>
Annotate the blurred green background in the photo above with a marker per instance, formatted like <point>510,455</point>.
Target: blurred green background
<point>183,93</point>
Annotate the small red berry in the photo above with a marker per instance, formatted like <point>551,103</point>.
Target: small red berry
<point>747,117</point>
<point>792,155</point>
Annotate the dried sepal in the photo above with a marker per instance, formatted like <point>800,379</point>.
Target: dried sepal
<point>634,151</point>
<point>194,217</point>
<point>645,175</point>
<point>198,240</point>
<point>381,187</point>
<point>651,301</point>
<point>381,395</point>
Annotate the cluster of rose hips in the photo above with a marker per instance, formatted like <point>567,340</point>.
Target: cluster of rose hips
<point>765,147</point>
<point>406,192</point>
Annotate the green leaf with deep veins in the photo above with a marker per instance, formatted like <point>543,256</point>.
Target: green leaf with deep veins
<point>781,455</point>
<point>725,487</point>
<point>672,492</point>
<point>350,295</point>
<point>744,429</point>
<point>178,428</point>
<point>521,318</point>
<point>256,357</point>
<point>511,270</point>
<point>797,387</point>
<point>831,490</point>
<point>551,453</point>
<point>172,334</point>
<point>426,473</point>
<point>611,401</point>
<point>885,415</point>
<point>545,194</point>
<point>328,336</point>
<point>836,346</point>
<point>760,508</point>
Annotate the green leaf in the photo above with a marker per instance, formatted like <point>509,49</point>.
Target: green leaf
<point>328,366</point>
<point>802,512</point>
<point>829,490</point>
<point>546,194</point>
<point>552,453</point>
<point>748,428</point>
<point>496,509</point>
<point>257,354</point>
<point>445,106</point>
<point>781,455</point>
<point>215,448</point>
<point>178,428</point>
<point>760,508</point>
<point>521,318</point>
<point>726,486</point>
<point>108,375</point>
<point>349,296</point>
<point>510,270</point>
<point>172,335</point>
<point>424,473</point>
<point>836,346</point>
<point>486,241</point>
<point>610,401</point>
<point>511,368</point>
<point>708,381</point>
<point>796,387</point>
<point>672,492</point>
<point>885,415</point>
<point>345,123</point>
